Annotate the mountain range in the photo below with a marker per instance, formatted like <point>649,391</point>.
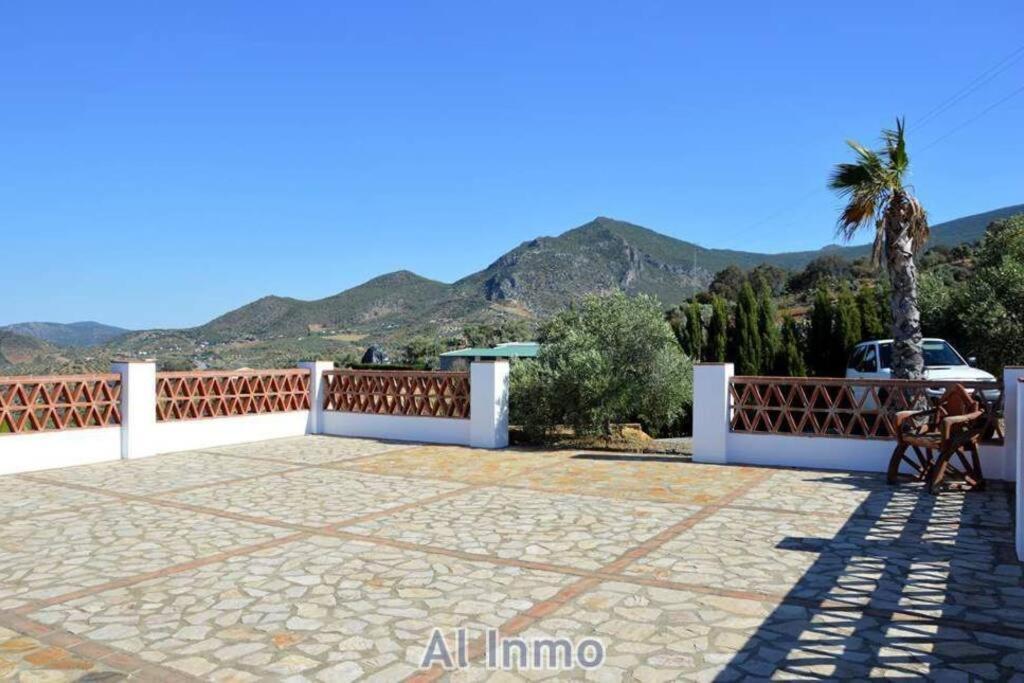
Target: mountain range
<point>531,281</point>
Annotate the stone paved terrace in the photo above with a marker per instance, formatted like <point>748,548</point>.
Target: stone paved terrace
<point>332,559</point>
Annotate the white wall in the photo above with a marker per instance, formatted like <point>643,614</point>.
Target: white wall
<point>713,442</point>
<point>487,426</point>
<point>46,450</point>
<point>834,453</point>
<point>185,435</point>
<point>447,430</point>
<point>140,434</point>
<point>1020,468</point>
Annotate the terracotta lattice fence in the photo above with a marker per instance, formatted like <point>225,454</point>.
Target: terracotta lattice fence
<point>198,395</point>
<point>851,408</point>
<point>424,394</point>
<point>58,402</point>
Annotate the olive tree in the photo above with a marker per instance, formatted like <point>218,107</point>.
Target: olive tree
<point>606,360</point>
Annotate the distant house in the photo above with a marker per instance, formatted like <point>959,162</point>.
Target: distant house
<point>460,359</point>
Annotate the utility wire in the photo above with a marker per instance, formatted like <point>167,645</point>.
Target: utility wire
<point>982,79</point>
<point>972,119</point>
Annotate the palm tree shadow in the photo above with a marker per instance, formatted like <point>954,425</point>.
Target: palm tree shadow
<point>912,585</point>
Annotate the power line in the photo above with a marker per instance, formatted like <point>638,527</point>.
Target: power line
<point>972,119</point>
<point>980,80</point>
<point>973,86</point>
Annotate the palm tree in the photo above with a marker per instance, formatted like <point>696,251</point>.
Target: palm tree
<point>874,188</point>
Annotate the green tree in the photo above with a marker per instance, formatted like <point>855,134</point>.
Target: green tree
<point>846,330</point>
<point>989,307</point>
<point>727,282</point>
<point>694,331</point>
<point>423,351</point>
<point>606,360</point>
<point>877,197</point>
<point>768,327</point>
<point>869,303</point>
<point>819,337</point>
<point>790,360</point>
<point>748,333</point>
<point>718,332</point>
<point>486,335</point>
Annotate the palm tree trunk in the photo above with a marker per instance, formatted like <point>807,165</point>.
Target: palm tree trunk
<point>907,355</point>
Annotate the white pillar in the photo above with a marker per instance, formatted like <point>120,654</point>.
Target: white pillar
<point>1010,470</point>
<point>316,393</point>
<point>1013,399</point>
<point>488,404</point>
<point>138,407</point>
<point>711,414</point>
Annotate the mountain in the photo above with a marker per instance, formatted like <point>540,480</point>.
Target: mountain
<point>19,349</point>
<point>390,300</point>
<point>85,333</point>
<point>531,281</point>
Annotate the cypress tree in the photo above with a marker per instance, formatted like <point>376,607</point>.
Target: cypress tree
<point>819,338</point>
<point>748,337</point>
<point>695,331</point>
<point>768,327</point>
<point>677,321</point>
<point>718,331</point>
<point>790,361</point>
<point>847,330</point>
<point>872,313</point>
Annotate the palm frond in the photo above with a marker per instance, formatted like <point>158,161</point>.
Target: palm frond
<point>916,220</point>
<point>896,148</point>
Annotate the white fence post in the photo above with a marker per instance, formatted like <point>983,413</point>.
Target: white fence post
<point>138,407</point>
<point>711,412</point>
<point>488,404</point>
<point>316,393</point>
<point>1015,441</point>
<point>1011,426</point>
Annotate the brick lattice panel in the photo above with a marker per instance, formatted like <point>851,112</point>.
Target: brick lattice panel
<point>859,409</point>
<point>55,403</point>
<point>199,395</point>
<point>422,394</point>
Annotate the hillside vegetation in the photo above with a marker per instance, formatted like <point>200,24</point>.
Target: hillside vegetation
<point>411,315</point>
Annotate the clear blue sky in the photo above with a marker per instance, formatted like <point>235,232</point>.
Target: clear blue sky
<point>161,163</point>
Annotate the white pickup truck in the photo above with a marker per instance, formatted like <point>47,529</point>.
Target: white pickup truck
<point>873,360</point>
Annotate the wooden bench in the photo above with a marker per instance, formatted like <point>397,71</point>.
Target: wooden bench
<point>953,428</point>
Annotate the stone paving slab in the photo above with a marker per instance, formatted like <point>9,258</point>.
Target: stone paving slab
<point>327,608</point>
<point>655,634</point>
<point>583,532</point>
<point>29,659</point>
<point>684,571</point>
<point>312,450</point>
<point>847,493</point>
<point>315,496</point>
<point>160,472</point>
<point>23,498</point>
<point>741,550</point>
<point>455,463</point>
<point>62,552</point>
<point>640,477</point>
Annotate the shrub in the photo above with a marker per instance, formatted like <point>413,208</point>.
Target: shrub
<point>609,359</point>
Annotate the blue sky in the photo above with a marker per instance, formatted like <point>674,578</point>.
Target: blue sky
<point>165,162</point>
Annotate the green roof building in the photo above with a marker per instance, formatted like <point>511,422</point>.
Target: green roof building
<point>460,359</point>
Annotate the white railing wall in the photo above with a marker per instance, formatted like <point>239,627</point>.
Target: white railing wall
<point>141,434</point>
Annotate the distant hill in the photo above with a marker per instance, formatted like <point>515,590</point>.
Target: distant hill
<point>85,333</point>
<point>531,281</point>
<point>18,349</point>
<point>386,301</point>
